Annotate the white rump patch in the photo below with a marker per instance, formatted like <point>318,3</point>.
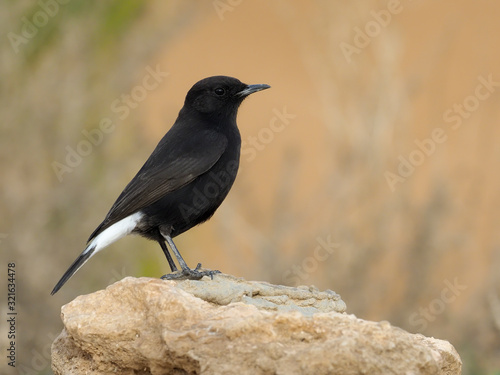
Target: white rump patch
<point>115,232</point>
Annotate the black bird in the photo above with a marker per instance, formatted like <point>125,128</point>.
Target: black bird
<point>185,179</point>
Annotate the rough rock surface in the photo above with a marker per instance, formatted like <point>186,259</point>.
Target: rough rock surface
<point>231,326</point>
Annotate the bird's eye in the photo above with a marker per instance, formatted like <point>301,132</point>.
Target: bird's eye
<point>219,91</point>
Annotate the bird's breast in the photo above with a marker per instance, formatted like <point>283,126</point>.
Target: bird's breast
<point>197,201</point>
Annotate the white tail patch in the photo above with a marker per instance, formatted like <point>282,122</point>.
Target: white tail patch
<point>105,238</point>
<point>115,232</point>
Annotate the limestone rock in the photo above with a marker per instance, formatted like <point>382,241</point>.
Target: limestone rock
<point>225,289</point>
<point>231,326</point>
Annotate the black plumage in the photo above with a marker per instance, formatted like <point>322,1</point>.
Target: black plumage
<point>185,179</point>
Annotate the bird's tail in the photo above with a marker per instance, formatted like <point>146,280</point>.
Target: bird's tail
<point>99,242</point>
<point>80,261</point>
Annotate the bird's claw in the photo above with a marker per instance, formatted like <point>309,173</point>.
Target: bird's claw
<point>190,274</point>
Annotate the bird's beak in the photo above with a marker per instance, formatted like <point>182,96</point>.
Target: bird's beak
<point>250,89</point>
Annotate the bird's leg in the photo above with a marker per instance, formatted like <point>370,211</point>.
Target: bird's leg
<point>181,261</point>
<point>185,272</point>
<point>171,263</point>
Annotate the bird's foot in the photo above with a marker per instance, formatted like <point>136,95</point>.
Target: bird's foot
<point>190,274</point>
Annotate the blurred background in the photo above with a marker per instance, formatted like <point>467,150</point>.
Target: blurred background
<point>370,167</point>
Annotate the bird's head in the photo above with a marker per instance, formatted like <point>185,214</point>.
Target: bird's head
<point>219,96</point>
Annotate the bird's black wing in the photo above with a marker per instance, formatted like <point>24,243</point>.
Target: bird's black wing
<point>175,162</point>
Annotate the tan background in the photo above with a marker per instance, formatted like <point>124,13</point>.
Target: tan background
<point>423,255</point>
